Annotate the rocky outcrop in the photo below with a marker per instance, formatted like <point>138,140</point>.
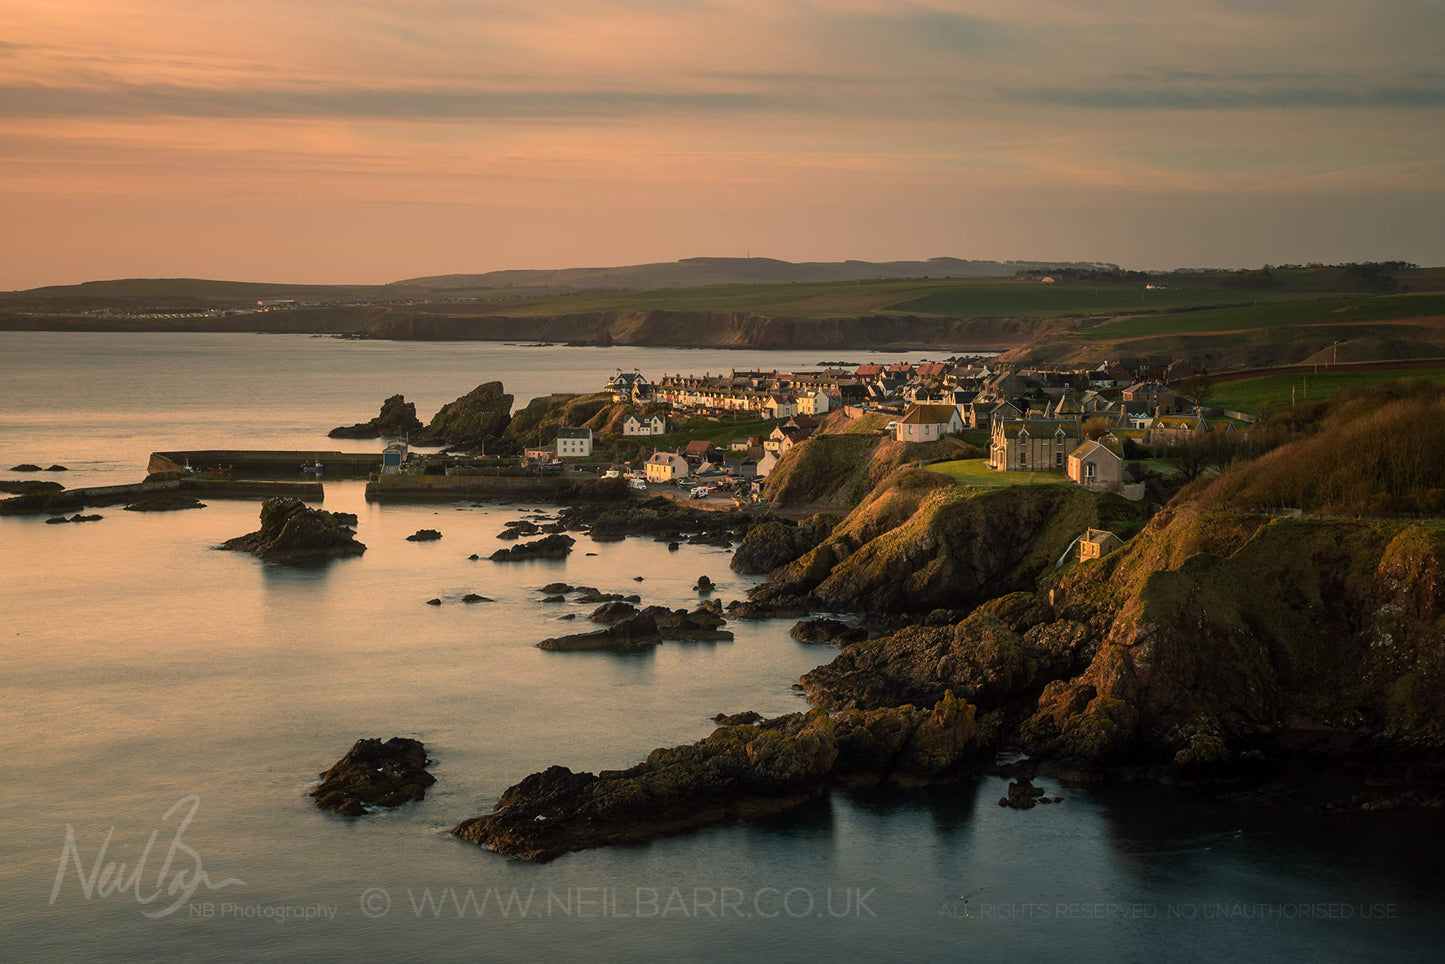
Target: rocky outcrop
<point>25,467</point>
<point>477,417</point>
<point>918,544</point>
<point>745,718</point>
<point>169,502</point>
<point>741,771</point>
<point>293,532</point>
<point>775,542</point>
<point>555,546</point>
<point>397,419</point>
<point>679,625</point>
<point>60,519</point>
<point>375,774</point>
<point>630,633</point>
<point>424,535</point>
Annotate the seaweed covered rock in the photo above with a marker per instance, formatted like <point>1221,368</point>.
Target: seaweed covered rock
<point>293,532</point>
<point>740,771</point>
<point>555,546</point>
<point>375,774</point>
<point>396,419</point>
<point>479,416</point>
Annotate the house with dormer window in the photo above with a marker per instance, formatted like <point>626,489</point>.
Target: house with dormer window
<point>1033,444</point>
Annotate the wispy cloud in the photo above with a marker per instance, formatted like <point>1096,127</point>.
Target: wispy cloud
<point>1230,97</point>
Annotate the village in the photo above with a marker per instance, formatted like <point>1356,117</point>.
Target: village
<point>1084,425</point>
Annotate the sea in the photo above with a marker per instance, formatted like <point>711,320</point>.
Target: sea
<point>167,708</point>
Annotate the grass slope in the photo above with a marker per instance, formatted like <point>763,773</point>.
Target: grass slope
<point>1255,394</point>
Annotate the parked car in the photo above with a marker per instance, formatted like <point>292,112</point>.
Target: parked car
<point>701,492</point>
<point>638,484</point>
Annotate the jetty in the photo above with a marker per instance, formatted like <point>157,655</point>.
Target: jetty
<point>264,463</point>
<point>70,500</point>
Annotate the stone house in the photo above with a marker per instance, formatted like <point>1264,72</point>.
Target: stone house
<point>1033,445</point>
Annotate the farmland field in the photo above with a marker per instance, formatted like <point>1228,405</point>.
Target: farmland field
<point>1343,311</point>
<point>1254,394</point>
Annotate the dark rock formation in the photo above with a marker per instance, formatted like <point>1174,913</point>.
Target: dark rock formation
<point>631,633</point>
<point>424,535</point>
<point>775,543</point>
<point>56,468</point>
<point>556,587</point>
<point>704,585</point>
<point>479,416</point>
<point>60,519</point>
<point>679,625</point>
<point>375,774</point>
<point>30,486</point>
<point>824,630</point>
<point>292,532</point>
<point>396,419</point>
<point>554,599</point>
<point>736,772</point>
<point>168,502</point>
<point>555,546</point>
<point>25,467</point>
<point>659,518</point>
<point>613,612</point>
<point>433,602</point>
<point>1023,795</point>
<point>472,597</point>
<point>593,596</point>
<point>515,530</point>
<point>745,718</point>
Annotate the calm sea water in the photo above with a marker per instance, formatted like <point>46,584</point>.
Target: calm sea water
<point>140,668</point>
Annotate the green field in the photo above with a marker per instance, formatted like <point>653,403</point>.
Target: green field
<point>977,472</point>
<point>1310,311</point>
<point>1255,394</point>
<point>1034,300</point>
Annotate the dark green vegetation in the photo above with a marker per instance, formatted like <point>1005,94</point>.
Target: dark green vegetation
<point>1297,311</point>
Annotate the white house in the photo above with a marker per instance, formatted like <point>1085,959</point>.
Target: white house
<point>927,423</point>
<point>574,443</point>
<point>647,425</point>
<point>781,406</point>
<point>766,464</point>
<point>814,403</point>
<point>665,467</point>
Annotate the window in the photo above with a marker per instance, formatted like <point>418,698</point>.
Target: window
<point>1089,471</point>
<point>1058,458</point>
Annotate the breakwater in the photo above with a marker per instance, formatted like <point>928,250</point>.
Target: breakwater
<point>405,488</point>
<point>70,500</point>
<point>266,462</point>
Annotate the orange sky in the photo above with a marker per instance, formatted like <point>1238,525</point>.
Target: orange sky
<point>370,140</point>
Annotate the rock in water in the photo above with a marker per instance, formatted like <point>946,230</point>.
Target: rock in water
<point>555,546</point>
<point>57,520</point>
<point>375,774</point>
<point>472,597</point>
<point>292,532</point>
<point>397,418</point>
<point>824,630</point>
<point>25,467</point>
<point>424,535</point>
<point>169,502</point>
<point>56,468</point>
<point>30,486</point>
<point>704,584</point>
<point>479,415</point>
<point>745,718</point>
<point>630,633</point>
<point>1022,795</point>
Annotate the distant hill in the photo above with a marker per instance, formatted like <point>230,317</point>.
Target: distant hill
<point>694,272</point>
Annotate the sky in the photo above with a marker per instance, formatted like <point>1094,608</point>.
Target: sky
<point>361,141</point>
